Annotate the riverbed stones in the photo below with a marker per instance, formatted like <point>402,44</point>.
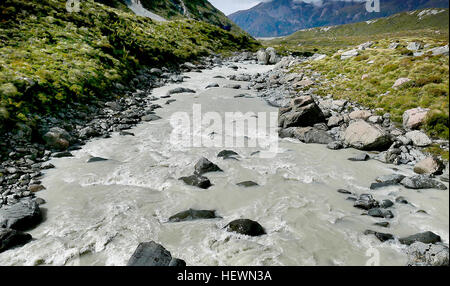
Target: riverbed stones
<point>366,202</point>
<point>308,135</point>
<point>365,136</point>
<point>197,181</point>
<point>23,215</point>
<point>303,112</point>
<point>381,236</point>
<point>380,213</point>
<point>387,180</point>
<point>57,138</point>
<point>414,118</point>
<point>423,254</point>
<point>419,182</point>
<point>204,166</point>
<point>153,254</point>
<point>179,90</point>
<point>418,138</point>
<point>360,114</point>
<point>192,214</point>
<point>424,237</point>
<point>429,165</point>
<point>246,227</point>
<point>360,157</point>
<point>10,238</point>
<point>247,184</point>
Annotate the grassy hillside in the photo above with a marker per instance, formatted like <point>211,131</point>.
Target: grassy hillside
<point>369,77</point>
<point>49,57</point>
<point>200,10</point>
<point>331,39</point>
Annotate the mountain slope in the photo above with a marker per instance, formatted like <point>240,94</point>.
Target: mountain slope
<point>283,17</point>
<point>50,58</point>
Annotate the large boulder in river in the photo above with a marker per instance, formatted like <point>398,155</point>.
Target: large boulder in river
<point>204,166</point>
<point>429,165</point>
<point>193,215</point>
<point>153,254</point>
<point>308,135</point>
<point>414,118</point>
<point>263,57</point>
<point>57,138</point>
<point>424,237</point>
<point>10,238</point>
<point>303,112</point>
<point>422,254</point>
<point>197,181</point>
<point>419,182</point>
<point>273,57</point>
<point>23,215</point>
<point>246,227</point>
<point>365,136</point>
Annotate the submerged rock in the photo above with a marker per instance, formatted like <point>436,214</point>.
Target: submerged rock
<point>96,159</point>
<point>10,238</point>
<point>424,237</point>
<point>381,236</point>
<point>204,166</point>
<point>23,215</point>
<point>422,182</point>
<point>382,213</point>
<point>227,154</point>
<point>360,157</point>
<point>197,181</point>
<point>247,184</point>
<point>246,227</point>
<point>153,254</point>
<point>179,90</point>
<point>366,202</point>
<point>193,215</point>
<point>387,180</point>
<point>421,254</point>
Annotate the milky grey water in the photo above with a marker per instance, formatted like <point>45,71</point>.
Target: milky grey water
<point>97,213</point>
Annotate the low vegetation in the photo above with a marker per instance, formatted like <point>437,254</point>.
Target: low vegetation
<point>49,57</point>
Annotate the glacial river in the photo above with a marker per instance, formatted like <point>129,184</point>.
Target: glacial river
<point>98,213</point>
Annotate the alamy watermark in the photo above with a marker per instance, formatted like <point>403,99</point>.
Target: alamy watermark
<point>73,6</point>
<point>373,6</point>
<point>226,130</point>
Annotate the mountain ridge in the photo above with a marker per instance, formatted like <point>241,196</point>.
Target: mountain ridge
<point>284,17</point>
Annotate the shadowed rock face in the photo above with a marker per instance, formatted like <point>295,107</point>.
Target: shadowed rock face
<point>424,237</point>
<point>197,181</point>
<point>10,238</point>
<point>153,254</point>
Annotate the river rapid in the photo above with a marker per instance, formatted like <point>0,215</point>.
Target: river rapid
<point>98,213</point>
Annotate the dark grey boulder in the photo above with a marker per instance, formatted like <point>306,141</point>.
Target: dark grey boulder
<point>360,157</point>
<point>96,159</point>
<point>385,181</point>
<point>211,85</point>
<point>422,254</point>
<point>226,154</point>
<point>10,238</point>
<point>345,192</point>
<point>401,200</point>
<point>232,86</point>
<point>422,182</point>
<point>153,254</point>
<point>366,202</point>
<point>204,166</point>
<point>424,237</point>
<point>381,236</point>
<point>179,90</point>
<point>335,145</point>
<point>308,135</point>
<point>382,224</point>
<point>247,184</point>
<point>382,213</point>
<point>62,154</point>
<point>386,204</point>
<point>197,181</point>
<point>150,117</point>
<point>23,215</point>
<point>193,215</point>
<point>246,227</point>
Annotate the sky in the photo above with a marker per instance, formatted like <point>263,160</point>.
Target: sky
<point>230,6</point>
